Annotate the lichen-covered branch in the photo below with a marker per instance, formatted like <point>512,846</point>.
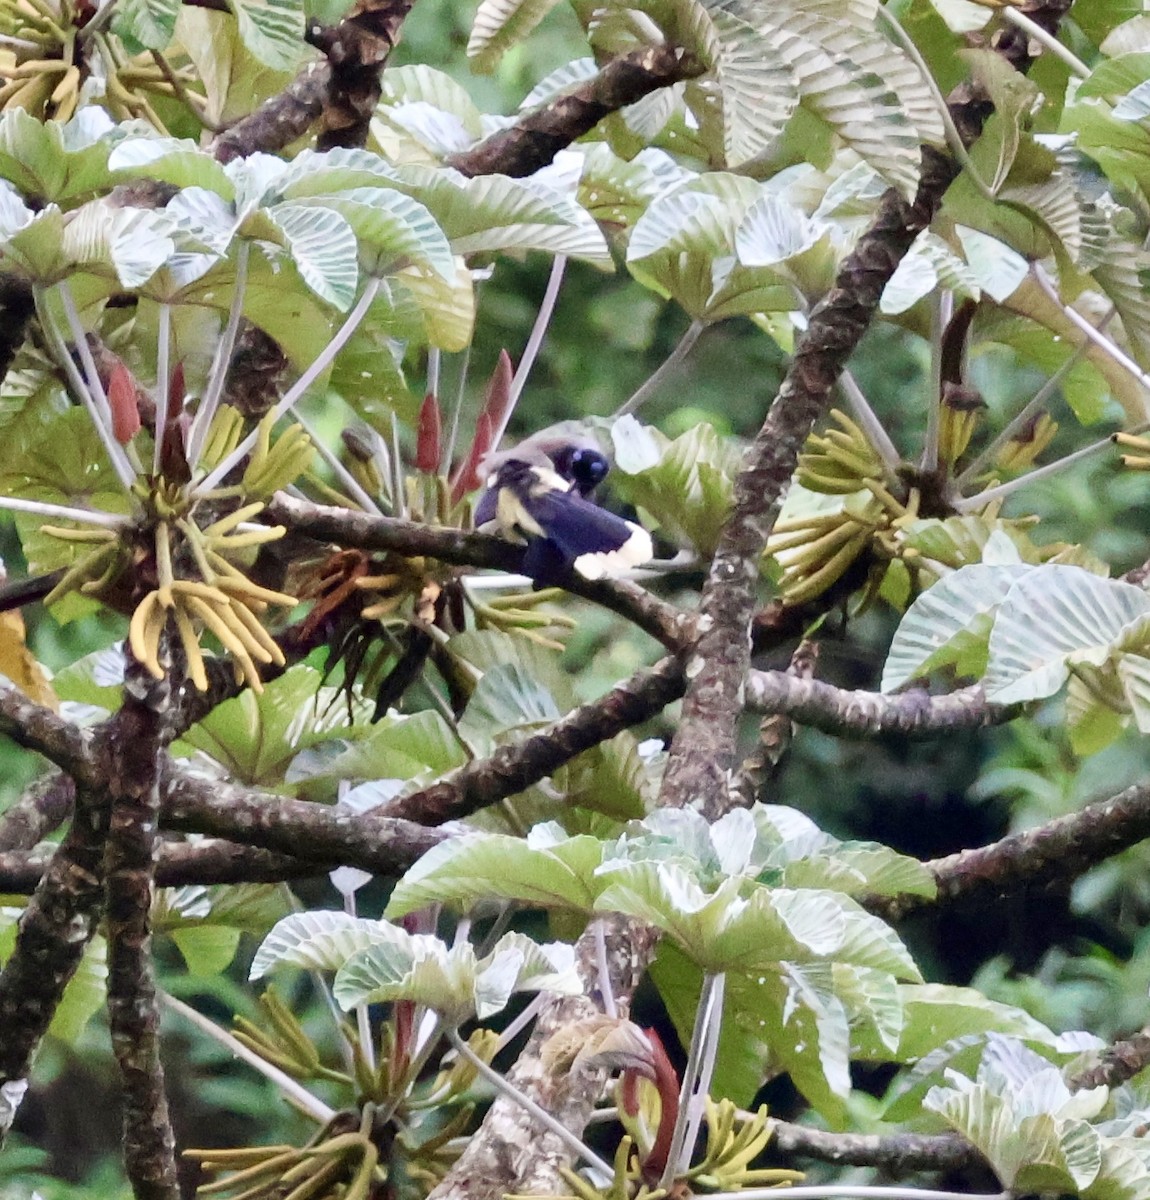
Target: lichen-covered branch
<point>43,808</point>
<point>357,49</point>
<point>38,728</point>
<point>519,764</point>
<point>131,750</point>
<point>54,930</point>
<point>1116,1064</point>
<point>365,531</point>
<point>704,751</point>
<point>1056,851</point>
<point>205,862</point>
<point>316,833</point>
<point>895,1153</point>
<point>534,140</point>
<point>865,714</point>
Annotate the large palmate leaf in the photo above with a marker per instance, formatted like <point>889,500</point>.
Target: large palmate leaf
<point>395,227</point>
<point>47,160</point>
<point>1053,618</point>
<point>324,248</point>
<point>376,961</point>
<point>1023,1117</point>
<point>146,24</point>
<point>685,485</point>
<point>256,737</point>
<point>727,930</point>
<point>133,242</point>
<point>545,870</point>
<point>272,30</point>
<point>950,623</point>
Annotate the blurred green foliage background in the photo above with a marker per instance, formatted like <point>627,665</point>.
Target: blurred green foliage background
<point>1074,956</point>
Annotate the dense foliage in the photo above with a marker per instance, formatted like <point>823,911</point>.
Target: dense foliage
<point>304,764</point>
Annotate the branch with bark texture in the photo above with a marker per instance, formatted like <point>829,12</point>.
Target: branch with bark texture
<point>1057,850</point>
<point>534,140</point>
<point>365,531</point>
<point>131,748</point>
<point>864,714</point>
<point>335,89</point>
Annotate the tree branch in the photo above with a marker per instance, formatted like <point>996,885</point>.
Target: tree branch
<point>43,807</point>
<point>1058,850</point>
<point>131,747</point>
<point>365,531</point>
<point>864,714</point>
<point>534,140</point>
<point>1117,1064</point>
<point>206,862</point>
<point>897,1153</point>
<point>518,765</point>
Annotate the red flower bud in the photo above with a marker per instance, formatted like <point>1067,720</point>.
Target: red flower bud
<point>488,428</point>
<point>428,446</point>
<point>122,400</point>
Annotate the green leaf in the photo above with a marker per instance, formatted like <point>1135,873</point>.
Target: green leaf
<point>256,737</point>
<point>323,941</point>
<point>689,490</point>
<point>474,867</point>
<point>397,228</point>
<point>146,24</point>
<point>1053,618</point>
<point>453,982</point>
<point>501,24</point>
<point>506,700</point>
<point>179,162</point>
<point>207,949</point>
<point>324,249</point>
<point>949,623</point>
<point>85,994</point>
<point>272,30</point>
<point>134,242</point>
<point>758,88</point>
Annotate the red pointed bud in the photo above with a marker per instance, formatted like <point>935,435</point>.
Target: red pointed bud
<point>428,446</point>
<point>177,389</point>
<point>488,428</point>
<point>467,478</point>
<point>497,402</point>
<point>122,400</point>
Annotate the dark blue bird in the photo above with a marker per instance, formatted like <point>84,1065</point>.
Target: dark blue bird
<point>537,495</point>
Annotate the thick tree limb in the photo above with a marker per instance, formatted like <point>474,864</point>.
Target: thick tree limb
<point>357,49</point>
<point>206,862</point>
<point>43,808</point>
<point>131,749</point>
<point>329,836</point>
<point>364,531</point>
<point>864,714</point>
<point>54,930</point>
<point>520,764</point>
<point>896,1153</point>
<point>534,140</point>
<point>1058,850</point>
<point>704,751</point>
<point>1117,1064</point>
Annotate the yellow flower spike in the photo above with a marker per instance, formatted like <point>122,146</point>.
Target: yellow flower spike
<point>244,541</point>
<point>228,523</point>
<point>78,535</point>
<point>144,633</point>
<point>192,652</point>
<point>227,638</point>
<point>259,633</point>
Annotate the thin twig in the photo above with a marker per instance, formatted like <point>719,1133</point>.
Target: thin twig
<point>1034,30</point>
